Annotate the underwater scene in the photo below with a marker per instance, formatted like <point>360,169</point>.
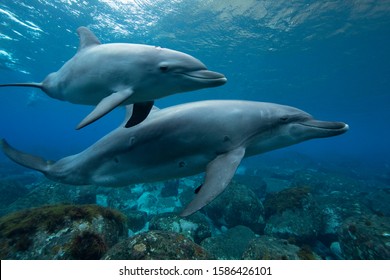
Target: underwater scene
<point>189,130</point>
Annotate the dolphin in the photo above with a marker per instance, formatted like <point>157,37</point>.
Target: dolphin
<point>207,136</point>
<point>109,75</point>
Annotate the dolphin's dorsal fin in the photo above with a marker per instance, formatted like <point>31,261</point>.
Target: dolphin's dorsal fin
<point>219,173</point>
<point>130,111</point>
<point>87,38</point>
<point>140,113</point>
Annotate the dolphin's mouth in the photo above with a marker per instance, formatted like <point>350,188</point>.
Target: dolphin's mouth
<point>332,126</point>
<point>206,76</point>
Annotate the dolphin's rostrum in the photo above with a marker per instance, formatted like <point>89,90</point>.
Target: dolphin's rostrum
<point>183,140</point>
<point>110,75</point>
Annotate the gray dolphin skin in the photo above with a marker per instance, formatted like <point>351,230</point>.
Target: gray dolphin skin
<point>109,75</point>
<point>183,140</point>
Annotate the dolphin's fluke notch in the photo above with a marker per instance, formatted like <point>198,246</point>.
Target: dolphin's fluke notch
<point>219,173</point>
<point>36,85</point>
<point>27,160</point>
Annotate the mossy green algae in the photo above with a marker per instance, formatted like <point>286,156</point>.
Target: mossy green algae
<point>18,227</point>
<point>276,203</point>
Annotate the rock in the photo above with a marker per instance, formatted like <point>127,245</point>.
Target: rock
<point>229,245</point>
<point>141,197</point>
<point>60,232</point>
<point>322,250</point>
<point>326,182</point>
<point>194,227</point>
<point>288,199</point>
<point>171,188</point>
<point>285,174</point>
<point>11,190</point>
<point>276,184</point>
<point>292,214</point>
<point>153,203</point>
<point>121,198</point>
<point>148,203</point>
<point>49,193</point>
<point>136,220</point>
<point>237,205</point>
<point>102,200</point>
<point>378,201</point>
<point>365,238</point>
<point>336,250</point>
<point>157,245</point>
<point>20,174</point>
<point>336,207</point>
<point>271,248</point>
<point>300,226</point>
<point>255,183</point>
<point>168,205</point>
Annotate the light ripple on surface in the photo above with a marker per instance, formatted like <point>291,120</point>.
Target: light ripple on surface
<point>14,18</point>
<point>7,61</point>
<point>5,37</point>
<point>189,25</point>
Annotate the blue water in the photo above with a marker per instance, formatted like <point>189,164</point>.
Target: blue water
<point>329,58</point>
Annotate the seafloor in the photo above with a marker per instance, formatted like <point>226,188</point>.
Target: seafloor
<point>294,208</point>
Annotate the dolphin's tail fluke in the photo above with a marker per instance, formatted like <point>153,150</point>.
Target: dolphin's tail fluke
<point>27,160</point>
<point>36,85</point>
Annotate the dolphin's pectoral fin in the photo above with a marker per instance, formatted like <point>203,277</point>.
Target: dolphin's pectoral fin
<point>87,38</point>
<point>105,106</point>
<point>219,173</point>
<point>140,113</point>
<point>27,160</point>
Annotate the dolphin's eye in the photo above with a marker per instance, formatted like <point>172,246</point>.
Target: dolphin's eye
<point>164,68</point>
<point>284,118</point>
